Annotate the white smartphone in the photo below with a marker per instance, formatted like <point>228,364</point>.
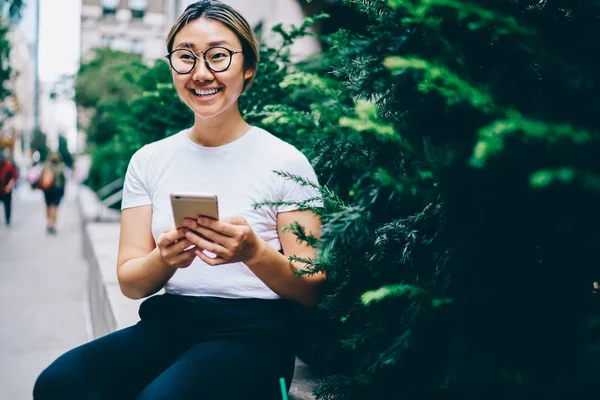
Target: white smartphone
<point>193,205</point>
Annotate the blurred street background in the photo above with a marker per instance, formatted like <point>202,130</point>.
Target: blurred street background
<point>42,290</point>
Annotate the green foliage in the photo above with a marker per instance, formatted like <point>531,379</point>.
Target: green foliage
<point>460,264</point>
<point>63,149</point>
<point>38,143</point>
<point>109,76</point>
<point>10,13</point>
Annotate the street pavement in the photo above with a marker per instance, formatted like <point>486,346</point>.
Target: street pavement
<point>43,304</point>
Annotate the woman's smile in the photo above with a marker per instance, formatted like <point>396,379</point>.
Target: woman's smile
<point>205,95</point>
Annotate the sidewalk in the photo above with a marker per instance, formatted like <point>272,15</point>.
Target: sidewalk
<point>43,307</point>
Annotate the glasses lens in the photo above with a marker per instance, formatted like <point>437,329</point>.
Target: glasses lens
<point>218,58</point>
<point>183,61</point>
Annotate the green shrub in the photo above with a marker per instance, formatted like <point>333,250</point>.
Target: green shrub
<point>461,265</point>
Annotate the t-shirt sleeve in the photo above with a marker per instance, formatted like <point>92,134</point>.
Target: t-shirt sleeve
<point>292,191</point>
<point>135,188</point>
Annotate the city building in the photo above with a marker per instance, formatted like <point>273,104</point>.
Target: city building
<point>141,26</point>
<point>136,26</point>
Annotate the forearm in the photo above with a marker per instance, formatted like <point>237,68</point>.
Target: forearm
<point>279,274</point>
<point>144,276</point>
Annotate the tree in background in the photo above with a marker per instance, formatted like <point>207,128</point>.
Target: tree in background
<point>38,143</point>
<point>108,82</point>
<point>10,12</point>
<point>63,149</point>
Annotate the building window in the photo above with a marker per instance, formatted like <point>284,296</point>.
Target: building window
<point>109,7</point>
<point>137,14</point>
<point>138,8</point>
<point>109,12</point>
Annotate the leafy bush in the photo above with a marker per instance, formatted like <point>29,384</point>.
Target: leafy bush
<point>461,265</point>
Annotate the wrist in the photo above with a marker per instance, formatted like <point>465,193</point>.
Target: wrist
<point>158,259</point>
<point>258,253</point>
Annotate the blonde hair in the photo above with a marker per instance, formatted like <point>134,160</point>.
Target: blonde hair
<point>230,17</point>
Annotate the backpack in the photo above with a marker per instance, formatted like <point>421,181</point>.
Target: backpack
<point>46,179</point>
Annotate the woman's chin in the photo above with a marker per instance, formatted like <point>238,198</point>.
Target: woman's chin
<point>208,111</point>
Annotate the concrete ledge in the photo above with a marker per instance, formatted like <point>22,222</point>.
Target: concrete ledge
<point>110,310</point>
<point>92,209</point>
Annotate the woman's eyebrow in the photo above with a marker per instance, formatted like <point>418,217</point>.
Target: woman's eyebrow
<point>210,44</point>
<point>186,45</point>
<point>218,43</point>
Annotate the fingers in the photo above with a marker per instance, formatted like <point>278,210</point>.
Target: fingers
<point>170,236</point>
<point>180,246</point>
<point>184,259</point>
<point>210,261</point>
<point>172,245</point>
<point>179,255</point>
<point>205,244</point>
<point>230,239</point>
<point>222,227</point>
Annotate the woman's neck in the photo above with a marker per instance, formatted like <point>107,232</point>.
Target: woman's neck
<point>218,131</point>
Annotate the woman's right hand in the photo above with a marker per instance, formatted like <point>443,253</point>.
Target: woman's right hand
<point>173,247</point>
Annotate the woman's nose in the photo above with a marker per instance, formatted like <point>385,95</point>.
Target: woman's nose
<point>201,71</point>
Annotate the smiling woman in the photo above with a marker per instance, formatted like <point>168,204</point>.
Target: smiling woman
<point>218,37</point>
<point>222,329</point>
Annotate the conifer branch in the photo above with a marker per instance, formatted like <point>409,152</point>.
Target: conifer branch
<point>300,205</point>
<point>384,292</point>
<point>301,235</point>
<point>452,88</point>
<point>311,267</point>
<point>297,178</point>
<point>477,16</point>
<point>492,136</point>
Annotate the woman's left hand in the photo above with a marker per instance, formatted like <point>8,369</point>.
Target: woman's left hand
<point>230,239</point>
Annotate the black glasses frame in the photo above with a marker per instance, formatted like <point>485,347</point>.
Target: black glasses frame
<point>196,58</point>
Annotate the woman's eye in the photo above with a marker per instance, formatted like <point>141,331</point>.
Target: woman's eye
<point>218,56</point>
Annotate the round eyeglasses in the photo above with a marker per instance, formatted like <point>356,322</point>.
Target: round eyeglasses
<point>217,59</point>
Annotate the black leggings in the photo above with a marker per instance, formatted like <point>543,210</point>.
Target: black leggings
<point>183,348</point>
<point>6,198</point>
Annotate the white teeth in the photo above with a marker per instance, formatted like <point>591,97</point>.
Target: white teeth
<point>206,92</point>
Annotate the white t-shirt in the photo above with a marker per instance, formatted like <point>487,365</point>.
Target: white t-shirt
<point>241,174</point>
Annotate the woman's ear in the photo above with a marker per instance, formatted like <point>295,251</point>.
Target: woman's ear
<point>249,73</point>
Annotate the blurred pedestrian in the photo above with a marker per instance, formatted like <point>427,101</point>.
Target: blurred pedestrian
<point>8,178</point>
<point>52,182</point>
